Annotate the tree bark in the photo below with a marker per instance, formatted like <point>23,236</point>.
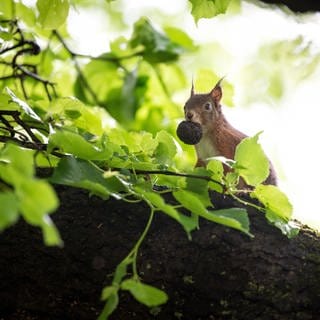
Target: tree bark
<point>297,5</point>
<point>219,274</point>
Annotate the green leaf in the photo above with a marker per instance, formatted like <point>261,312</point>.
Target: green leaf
<point>83,174</point>
<point>188,223</point>
<point>82,116</point>
<point>26,14</point>
<point>53,13</point>
<point>235,218</point>
<point>156,47</point>
<point>73,114</point>
<point>217,173</point>
<point>106,74</point>
<point>16,164</point>
<point>166,148</point>
<point>158,202</point>
<point>121,271</point>
<point>107,292</point>
<point>7,9</point>
<point>251,162</point>
<point>191,202</point>
<point>180,37</point>
<point>199,187</point>
<point>124,102</point>
<point>75,144</point>
<point>133,142</point>
<point>50,232</point>
<point>22,105</point>
<point>5,34</point>
<point>288,228</point>
<point>109,307</point>
<point>36,199</point>
<point>232,180</point>
<point>274,200</point>
<point>9,209</point>
<point>110,293</point>
<point>146,294</point>
<point>208,8</point>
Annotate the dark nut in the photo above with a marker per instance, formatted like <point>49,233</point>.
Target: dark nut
<point>189,132</point>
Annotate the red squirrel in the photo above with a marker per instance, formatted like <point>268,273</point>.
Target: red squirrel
<point>219,137</point>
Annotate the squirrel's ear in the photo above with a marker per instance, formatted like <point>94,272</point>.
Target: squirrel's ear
<point>216,92</point>
<point>192,89</point>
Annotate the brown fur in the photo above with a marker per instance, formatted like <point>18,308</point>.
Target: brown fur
<point>223,137</point>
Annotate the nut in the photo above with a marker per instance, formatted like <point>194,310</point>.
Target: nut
<point>189,132</point>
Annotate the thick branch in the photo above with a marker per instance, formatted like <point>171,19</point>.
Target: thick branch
<point>221,274</point>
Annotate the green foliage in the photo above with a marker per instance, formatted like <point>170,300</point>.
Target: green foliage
<point>53,13</point>
<point>131,75</point>
<point>84,174</point>
<point>155,46</point>
<point>251,162</point>
<point>106,124</point>
<point>9,209</point>
<point>148,295</point>
<point>277,207</point>
<point>208,8</point>
<point>285,63</point>
<point>21,192</point>
<point>274,200</point>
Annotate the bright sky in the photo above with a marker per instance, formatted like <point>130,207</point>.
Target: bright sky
<point>291,130</point>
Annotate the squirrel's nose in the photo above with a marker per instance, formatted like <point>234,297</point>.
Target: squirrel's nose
<point>189,115</point>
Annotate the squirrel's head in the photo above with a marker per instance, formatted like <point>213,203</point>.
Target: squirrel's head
<point>204,108</point>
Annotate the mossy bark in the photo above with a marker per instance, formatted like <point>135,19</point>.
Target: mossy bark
<point>219,274</point>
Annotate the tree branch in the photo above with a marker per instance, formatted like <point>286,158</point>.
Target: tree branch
<point>174,174</point>
<point>19,70</point>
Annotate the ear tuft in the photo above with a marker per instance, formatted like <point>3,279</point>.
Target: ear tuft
<point>192,88</point>
<point>216,92</point>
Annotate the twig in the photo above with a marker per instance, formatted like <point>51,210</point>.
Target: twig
<point>16,117</point>
<point>36,144</point>
<point>77,66</point>
<point>247,203</point>
<point>114,59</point>
<point>82,78</point>
<point>174,174</point>
<point>19,70</point>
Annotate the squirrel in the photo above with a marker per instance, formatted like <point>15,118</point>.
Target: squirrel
<point>219,137</point>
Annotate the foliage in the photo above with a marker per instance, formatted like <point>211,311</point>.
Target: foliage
<point>208,8</point>
<point>104,124</point>
<point>285,63</point>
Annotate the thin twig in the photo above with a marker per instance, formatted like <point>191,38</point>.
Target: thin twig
<point>77,66</point>
<point>174,174</point>
<point>33,75</point>
<point>90,57</point>
<point>247,203</point>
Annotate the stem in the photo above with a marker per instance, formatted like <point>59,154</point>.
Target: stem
<point>114,59</point>
<point>136,248</point>
<point>131,257</point>
<point>175,174</point>
<point>247,203</point>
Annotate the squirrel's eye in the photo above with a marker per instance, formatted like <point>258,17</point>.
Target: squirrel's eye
<point>208,106</point>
